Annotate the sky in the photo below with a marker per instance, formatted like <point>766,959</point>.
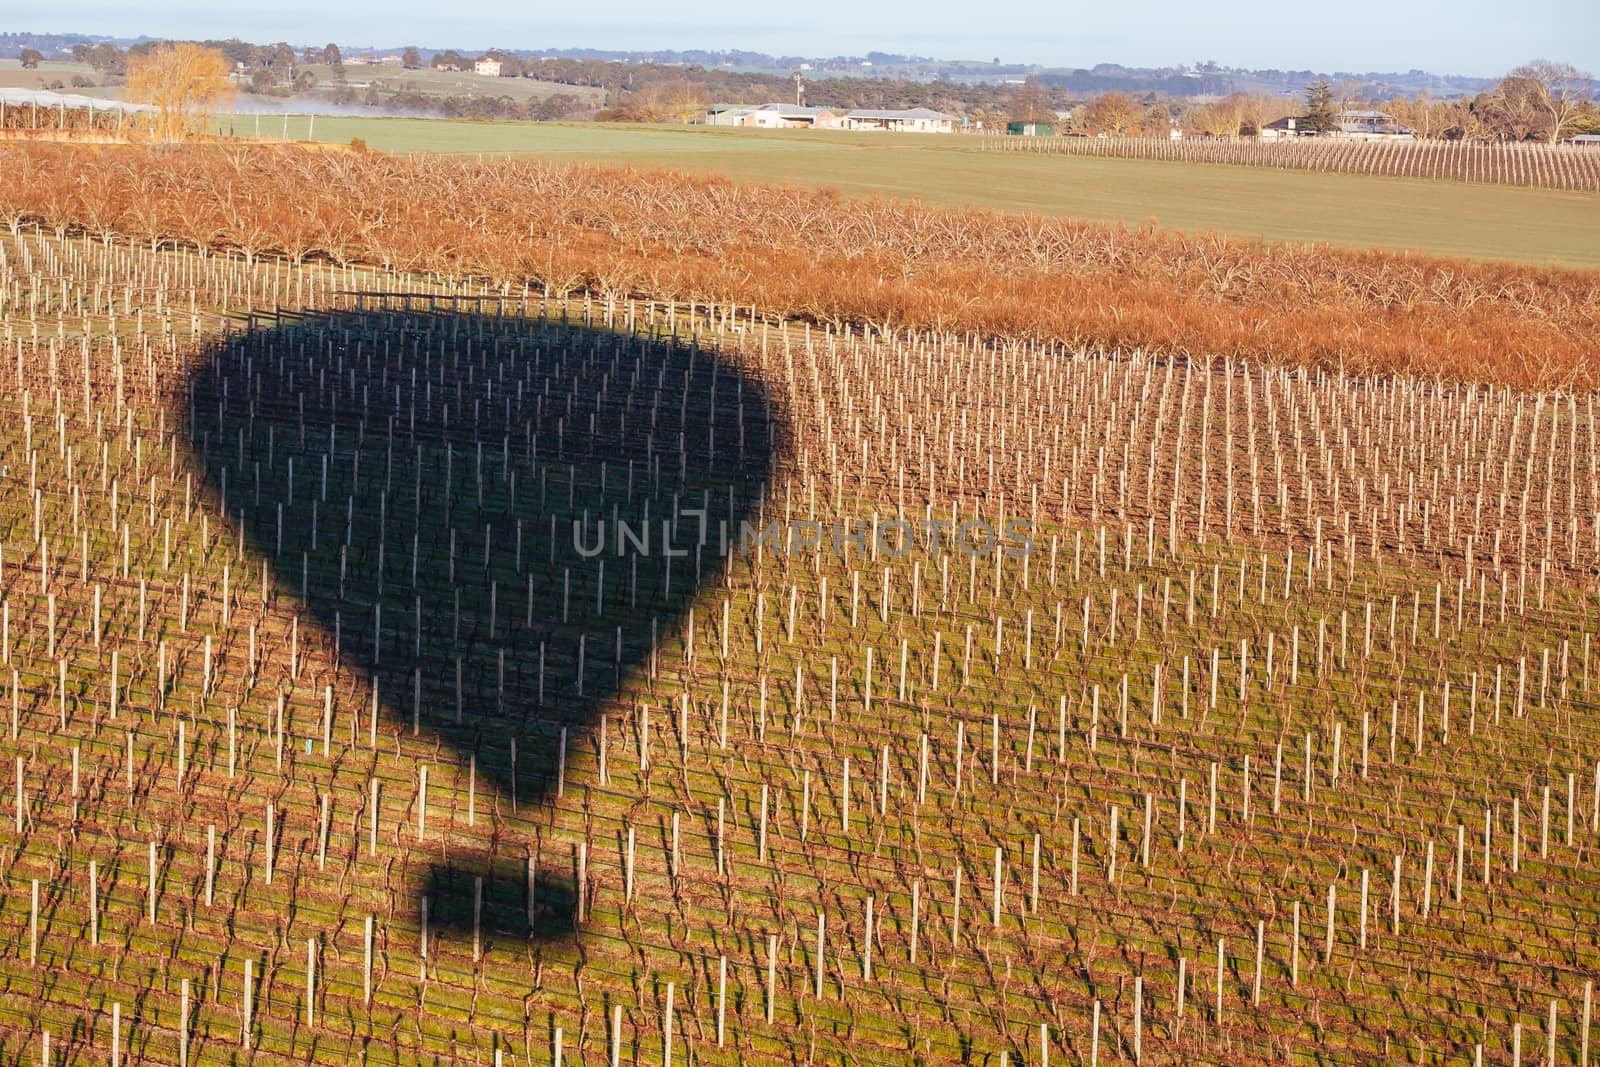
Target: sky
<point>1481,38</point>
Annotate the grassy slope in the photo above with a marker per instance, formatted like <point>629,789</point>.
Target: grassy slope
<point>1481,221</point>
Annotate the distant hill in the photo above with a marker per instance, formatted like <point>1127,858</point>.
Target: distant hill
<point>1203,79</point>
<point>51,45</point>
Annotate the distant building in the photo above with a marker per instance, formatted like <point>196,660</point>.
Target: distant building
<point>772,116</point>
<point>725,115</point>
<point>1031,129</point>
<point>793,117</point>
<point>1585,140</point>
<point>489,68</point>
<point>390,61</point>
<point>1351,125</point>
<point>910,120</point>
<point>1373,125</point>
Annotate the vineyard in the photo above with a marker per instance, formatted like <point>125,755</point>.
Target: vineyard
<point>1501,163</point>
<point>414,659</point>
<point>19,115</point>
<point>882,266</point>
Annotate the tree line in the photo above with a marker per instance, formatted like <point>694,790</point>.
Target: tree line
<point>1538,101</point>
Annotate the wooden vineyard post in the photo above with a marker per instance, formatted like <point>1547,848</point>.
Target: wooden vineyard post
<point>183,1024</point>
<point>1255,986</point>
<point>772,976</point>
<point>1179,993</point>
<point>1294,949</point>
<point>1588,1006</point>
<point>248,1008</point>
<point>821,969</point>
<point>666,1027</point>
<point>1394,900</point>
<point>722,997</point>
<point>916,916</point>
<point>1138,1020</point>
<point>866,950</point>
<point>1219,982</point>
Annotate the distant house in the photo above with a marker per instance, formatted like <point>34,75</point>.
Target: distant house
<point>725,115</point>
<point>793,116</point>
<point>1031,129</point>
<point>910,120</point>
<point>790,116</point>
<point>489,68</point>
<point>1373,125</point>
<point>772,116</point>
<point>1350,125</point>
<point>390,61</point>
<point>1585,140</point>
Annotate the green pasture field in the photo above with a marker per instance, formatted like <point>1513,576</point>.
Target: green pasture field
<point>13,76</point>
<point>390,80</point>
<point>1442,218</point>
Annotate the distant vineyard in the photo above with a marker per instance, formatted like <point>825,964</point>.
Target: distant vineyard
<point>1536,165</point>
<point>32,116</point>
<point>891,267</point>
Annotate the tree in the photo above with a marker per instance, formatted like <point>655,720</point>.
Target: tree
<point>107,59</point>
<point>411,59</point>
<point>332,57</point>
<point>679,99</point>
<point>30,58</point>
<point>1554,91</point>
<point>1157,120</point>
<point>554,107</point>
<point>282,62</point>
<point>1514,109</point>
<point>1256,110</point>
<point>1030,102</point>
<point>1322,116</point>
<point>185,83</point>
<point>1112,112</point>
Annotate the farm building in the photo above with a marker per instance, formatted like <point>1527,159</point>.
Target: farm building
<point>1352,125</point>
<point>724,115</point>
<point>772,116</point>
<point>791,116</point>
<point>1031,129</point>
<point>489,68</point>
<point>795,117</point>
<point>910,120</point>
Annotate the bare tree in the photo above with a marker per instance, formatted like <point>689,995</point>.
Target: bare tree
<point>1514,110</point>
<point>1554,90</point>
<point>1030,102</point>
<point>1113,112</point>
<point>185,83</point>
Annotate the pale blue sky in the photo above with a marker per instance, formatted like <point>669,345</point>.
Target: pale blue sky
<point>1474,37</point>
